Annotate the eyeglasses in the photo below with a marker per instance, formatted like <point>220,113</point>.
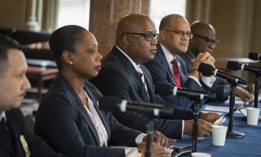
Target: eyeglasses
<point>208,40</point>
<point>148,35</point>
<point>181,33</point>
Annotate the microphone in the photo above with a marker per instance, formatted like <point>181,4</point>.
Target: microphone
<point>114,104</point>
<point>257,72</point>
<point>207,70</point>
<point>232,65</point>
<point>164,89</point>
<point>254,56</point>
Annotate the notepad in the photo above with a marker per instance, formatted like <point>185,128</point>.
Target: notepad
<point>218,108</point>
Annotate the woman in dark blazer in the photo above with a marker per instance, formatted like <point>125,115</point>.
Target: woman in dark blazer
<point>68,118</point>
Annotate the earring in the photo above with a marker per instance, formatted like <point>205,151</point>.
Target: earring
<point>70,62</point>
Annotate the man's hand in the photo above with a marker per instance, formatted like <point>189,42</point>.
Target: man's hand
<point>246,97</point>
<point>155,150</point>
<point>160,139</point>
<point>206,58</point>
<point>204,127</point>
<point>201,58</point>
<point>250,88</point>
<point>210,117</point>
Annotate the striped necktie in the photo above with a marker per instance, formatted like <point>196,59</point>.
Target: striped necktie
<point>140,73</point>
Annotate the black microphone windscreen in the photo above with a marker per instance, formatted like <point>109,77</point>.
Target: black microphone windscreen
<point>253,55</point>
<point>163,89</point>
<point>109,103</point>
<point>206,69</point>
<point>222,92</point>
<point>232,65</point>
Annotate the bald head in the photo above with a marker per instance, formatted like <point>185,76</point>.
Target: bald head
<point>131,23</point>
<point>204,38</point>
<point>200,28</point>
<point>131,37</point>
<point>167,21</point>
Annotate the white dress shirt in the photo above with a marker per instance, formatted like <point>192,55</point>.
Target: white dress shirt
<point>2,115</point>
<point>102,133</point>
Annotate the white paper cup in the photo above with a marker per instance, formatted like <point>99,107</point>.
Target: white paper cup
<point>219,135</point>
<point>200,154</point>
<point>252,116</point>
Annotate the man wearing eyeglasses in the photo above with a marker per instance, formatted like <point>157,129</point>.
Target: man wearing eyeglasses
<point>123,75</point>
<point>168,67</point>
<point>204,40</point>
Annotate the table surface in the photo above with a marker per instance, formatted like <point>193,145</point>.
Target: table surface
<point>249,146</point>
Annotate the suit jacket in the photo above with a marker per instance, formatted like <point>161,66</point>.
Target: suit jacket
<point>186,57</point>
<point>63,122</point>
<point>161,73</point>
<point>17,127</point>
<point>119,78</point>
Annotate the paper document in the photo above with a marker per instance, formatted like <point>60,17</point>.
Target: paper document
<point>218,108</point>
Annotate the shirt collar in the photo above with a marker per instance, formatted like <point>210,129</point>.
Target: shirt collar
<point>167,54</point>
<point>132,62</point>
<point>2,115</point>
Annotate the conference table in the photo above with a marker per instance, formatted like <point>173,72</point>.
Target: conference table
<point>248,146</point>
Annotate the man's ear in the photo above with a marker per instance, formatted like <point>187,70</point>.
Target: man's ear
<point>163,34</point>
<point>67,57</point>
<point>126,39</point>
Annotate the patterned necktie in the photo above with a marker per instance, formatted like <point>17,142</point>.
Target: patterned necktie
<point>176,72</point>
<point>141,75</point>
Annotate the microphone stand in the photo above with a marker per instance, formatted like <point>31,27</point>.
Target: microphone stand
<point>257,84</point>
<point>231,133</point>
<point>195,126</point>
<point>150,128</point>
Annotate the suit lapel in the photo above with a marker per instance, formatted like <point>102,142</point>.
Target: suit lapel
<point>138,80</point>
<point>5,141</point>
<point>165,65</point>
<point>82,109</point>
<point>182,70</point>
<point>149,82</point>
<point>14,131</point>
<point>95,103</point>
<point>88,119</point>
<point>133,73</point>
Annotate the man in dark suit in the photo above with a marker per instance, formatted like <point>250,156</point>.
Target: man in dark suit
<point>174,39</point>
<point>124,76</point>
<point>15,137</point>
<point>204,40</point>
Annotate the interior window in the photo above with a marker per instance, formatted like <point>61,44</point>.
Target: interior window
<point>73,12</point>
<point>159,9</point>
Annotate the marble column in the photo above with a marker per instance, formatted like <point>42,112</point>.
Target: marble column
<point>105,15</point>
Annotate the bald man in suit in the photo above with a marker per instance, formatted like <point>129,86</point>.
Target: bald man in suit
<point>120,76</point>
<point>204,40</point>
